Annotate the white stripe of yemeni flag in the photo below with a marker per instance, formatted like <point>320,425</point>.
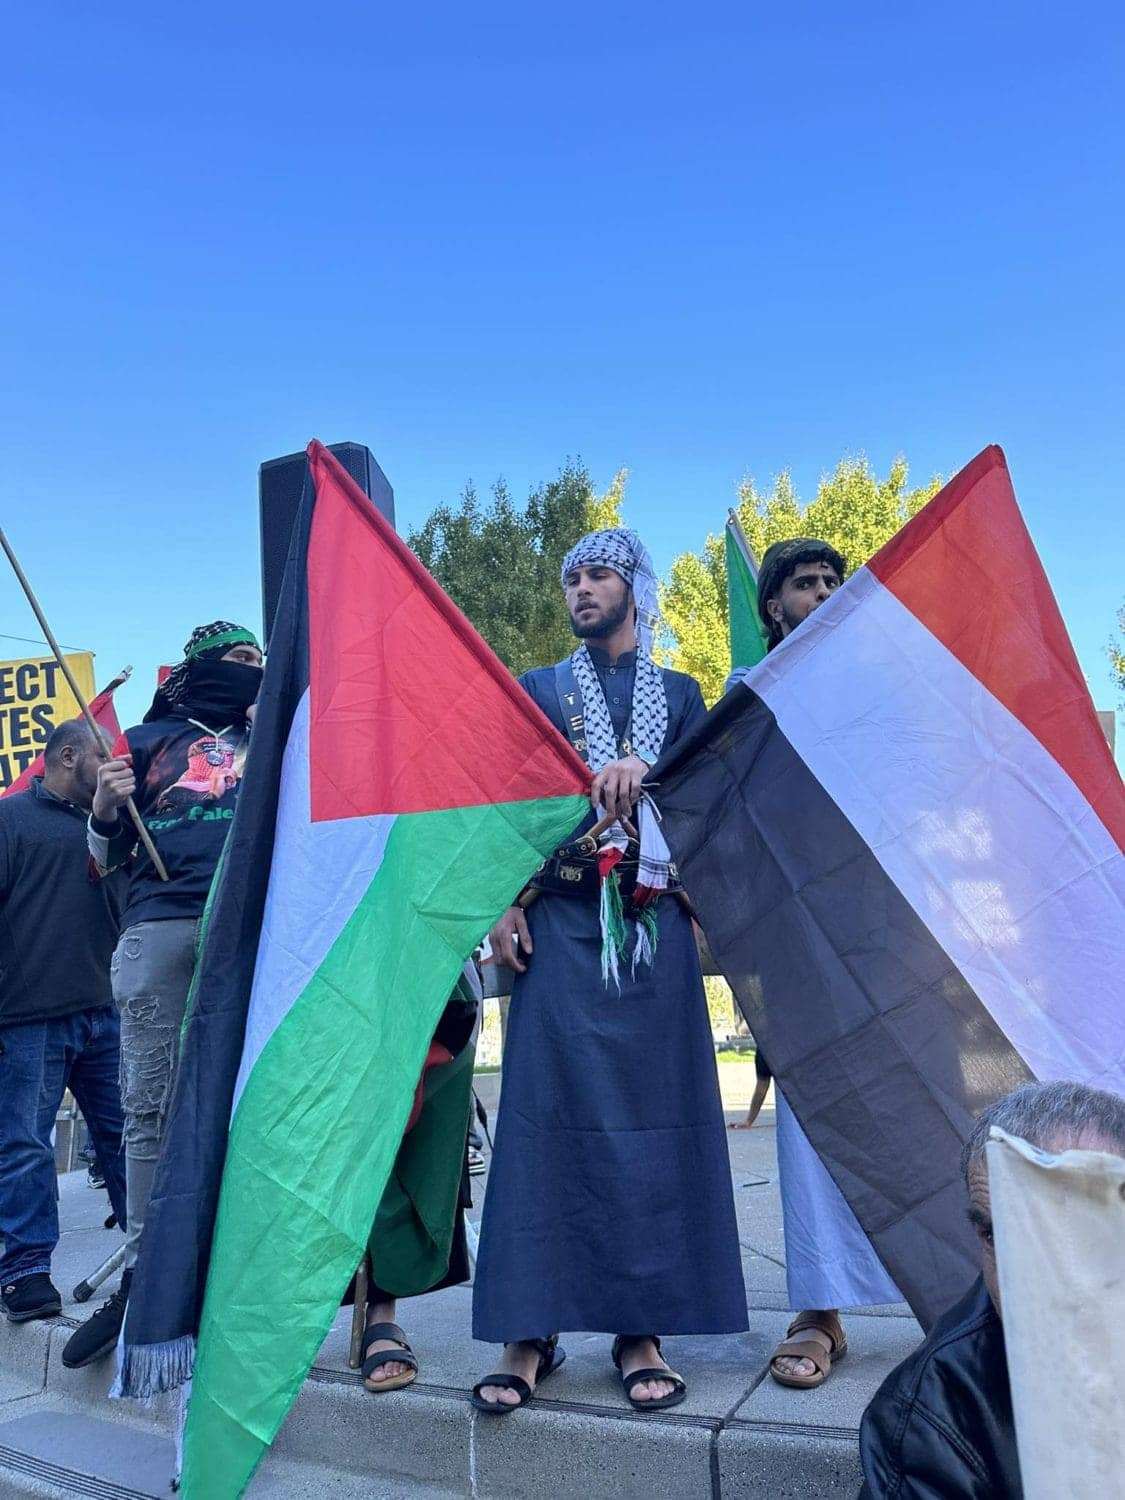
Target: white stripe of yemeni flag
<point>419,789</point>
<point>903,834</point>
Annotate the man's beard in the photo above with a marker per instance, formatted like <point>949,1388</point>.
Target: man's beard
<point>597,630</point>
<point>791,620</point>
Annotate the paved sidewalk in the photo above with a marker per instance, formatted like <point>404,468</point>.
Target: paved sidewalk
<point>738,1433</point>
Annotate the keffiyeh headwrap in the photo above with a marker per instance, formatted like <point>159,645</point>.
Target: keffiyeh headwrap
<point>205,641</point>
<point>624,552</point>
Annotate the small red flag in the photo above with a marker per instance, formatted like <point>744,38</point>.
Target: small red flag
<point>106,716</point>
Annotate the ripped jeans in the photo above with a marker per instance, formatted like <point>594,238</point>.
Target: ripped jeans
<point>151,973</point>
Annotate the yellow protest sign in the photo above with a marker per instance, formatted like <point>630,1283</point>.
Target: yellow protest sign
<point>34,697</point>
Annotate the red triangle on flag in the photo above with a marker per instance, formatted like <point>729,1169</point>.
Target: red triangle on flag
<point>410,710</point>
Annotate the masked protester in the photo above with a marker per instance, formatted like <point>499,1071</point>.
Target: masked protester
<point>182,765</point>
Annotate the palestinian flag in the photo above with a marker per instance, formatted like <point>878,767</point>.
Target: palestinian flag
<point>747,637</point>
<point>105,716</point>
<point>902,833</point>
<point>400,789</point>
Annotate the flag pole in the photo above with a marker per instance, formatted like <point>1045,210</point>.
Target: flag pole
<point>95,728</point>
<point>743,545</point>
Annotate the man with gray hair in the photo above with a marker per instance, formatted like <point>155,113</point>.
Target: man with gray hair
<point>942,1424</point>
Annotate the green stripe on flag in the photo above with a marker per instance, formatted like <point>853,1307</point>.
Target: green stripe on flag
<point>320,1120</point>
<point>747,637</point>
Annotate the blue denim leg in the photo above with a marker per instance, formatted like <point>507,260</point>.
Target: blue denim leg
<point>32,1080</point>
<point>94,1082</point>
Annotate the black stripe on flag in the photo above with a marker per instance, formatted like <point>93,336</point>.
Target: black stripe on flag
<point>882,1049</point>
<point>166,1296</point>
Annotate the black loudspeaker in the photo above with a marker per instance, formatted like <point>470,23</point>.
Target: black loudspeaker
<point>280,482</point>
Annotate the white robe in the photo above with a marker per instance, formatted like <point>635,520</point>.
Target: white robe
<point>829,1261</point>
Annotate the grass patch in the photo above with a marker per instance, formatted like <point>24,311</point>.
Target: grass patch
<point>734,1057</point>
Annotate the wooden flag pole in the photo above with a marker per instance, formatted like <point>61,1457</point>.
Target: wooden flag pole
<point>96,729</point>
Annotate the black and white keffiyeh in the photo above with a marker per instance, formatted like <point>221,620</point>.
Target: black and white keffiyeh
<point>623,551</point>
<point>649,724</point>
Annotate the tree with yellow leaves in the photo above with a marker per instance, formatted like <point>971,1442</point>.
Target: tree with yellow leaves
<point>853,509</point>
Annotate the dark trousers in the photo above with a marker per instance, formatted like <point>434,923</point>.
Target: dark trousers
<point>39,1060</point>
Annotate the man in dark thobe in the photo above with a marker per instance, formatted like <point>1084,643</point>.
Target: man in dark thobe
<point>609,1206</point>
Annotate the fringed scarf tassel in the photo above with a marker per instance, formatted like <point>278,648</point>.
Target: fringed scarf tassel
<point>615,937</point>
<point>644,948</point>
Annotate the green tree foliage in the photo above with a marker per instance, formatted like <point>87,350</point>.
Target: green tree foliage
<point>853,509</point>
<point>501,564</point>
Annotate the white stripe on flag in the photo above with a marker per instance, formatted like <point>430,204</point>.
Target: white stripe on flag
<point>978,826</point>
<point>340,857</point>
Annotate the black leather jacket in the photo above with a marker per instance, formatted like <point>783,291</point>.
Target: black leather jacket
<point>940,1426</point>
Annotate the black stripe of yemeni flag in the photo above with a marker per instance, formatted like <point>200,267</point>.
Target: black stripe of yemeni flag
<point>902,832</point>
<point>378,835</point>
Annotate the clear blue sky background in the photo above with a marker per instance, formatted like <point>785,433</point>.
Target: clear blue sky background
<point>694,240</point>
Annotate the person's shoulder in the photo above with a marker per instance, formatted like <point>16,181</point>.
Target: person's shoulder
<point>941,1410</point>
<point>943,1350</point>
<point>151,732</point>
<point>681,685</point>
<point>682,679</point>
<point>539,676</point>
<point>15,807</point>
<point>540,683</point>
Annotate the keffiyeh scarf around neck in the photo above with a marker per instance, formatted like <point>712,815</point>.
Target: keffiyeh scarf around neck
<point>645,735</point>
<point>622,550</point>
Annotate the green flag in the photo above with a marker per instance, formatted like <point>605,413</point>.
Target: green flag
<point>747,637</point>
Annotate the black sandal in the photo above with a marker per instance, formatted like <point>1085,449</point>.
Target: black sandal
<point>403,1355</point>
<point>550,1358</point>
<point>638,1377</point>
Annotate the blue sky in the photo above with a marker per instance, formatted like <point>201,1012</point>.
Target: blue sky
<point>696,241</point>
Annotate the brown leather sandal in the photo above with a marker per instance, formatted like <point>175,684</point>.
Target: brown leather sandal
<point>795,1348</point>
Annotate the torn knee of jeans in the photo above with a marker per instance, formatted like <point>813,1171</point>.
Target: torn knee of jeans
<point>131,945</point>
<point>146,1073</point>
<point>139,1007</point>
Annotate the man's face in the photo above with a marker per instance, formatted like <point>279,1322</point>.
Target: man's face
<point>980,1202</point>
<point>83,765</point>
<point>248,655</point>
<point>806,588</point>
<point>980,1217</point>
<point>598,599</point>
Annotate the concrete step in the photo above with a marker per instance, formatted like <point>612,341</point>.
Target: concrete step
<point>737,1434</point>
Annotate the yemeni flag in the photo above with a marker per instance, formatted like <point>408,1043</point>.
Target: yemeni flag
<point>105,716</point>
<point>902,833</point>
<point>400,789</point>
<point>747,637</point>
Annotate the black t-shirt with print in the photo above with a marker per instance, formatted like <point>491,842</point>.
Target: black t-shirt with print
<point>188,774</point>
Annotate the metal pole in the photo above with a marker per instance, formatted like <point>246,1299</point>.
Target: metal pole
<point>99,739</point>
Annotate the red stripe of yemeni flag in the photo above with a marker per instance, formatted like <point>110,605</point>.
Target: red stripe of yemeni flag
<point>1003,625</point>
<point>902,833</point>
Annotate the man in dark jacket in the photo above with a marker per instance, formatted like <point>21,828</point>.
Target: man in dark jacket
<point>58,1025</point>
<point>941,1425</point>
<point>183,765</point>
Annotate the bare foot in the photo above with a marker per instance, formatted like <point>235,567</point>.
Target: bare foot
<point>518,1359</point>
<point>642,1354</point>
